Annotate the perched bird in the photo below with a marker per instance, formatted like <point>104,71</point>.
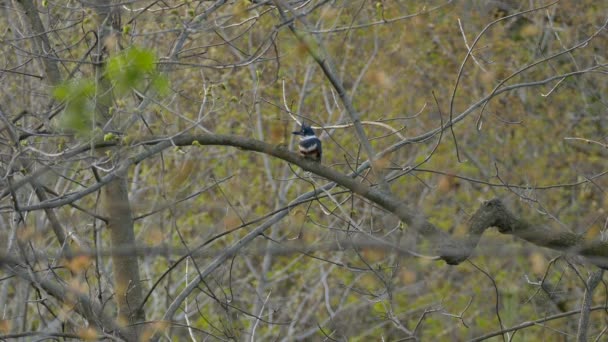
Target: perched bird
<point>310,145</point>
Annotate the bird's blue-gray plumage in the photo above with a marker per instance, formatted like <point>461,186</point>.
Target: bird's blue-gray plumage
<point>310,146</point>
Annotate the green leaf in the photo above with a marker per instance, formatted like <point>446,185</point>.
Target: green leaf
<point>109,137</point>
<point>161,84</point>
<point>130,68</point>
<point>78,97</point>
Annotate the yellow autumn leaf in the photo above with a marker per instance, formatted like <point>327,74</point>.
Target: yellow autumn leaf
<point>373,255</point>
<point>231,220</point>
<point>87,334</point>
<point>154,236</point>
<point>408,277</point>
<point>277,132</point>
<point>5,326</point>
<point>78,263</point>
<point>538,263</point>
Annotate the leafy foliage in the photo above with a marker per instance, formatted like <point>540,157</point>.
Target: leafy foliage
<point>78,96</point>
<point>126,70</point>
<point>131,67</point>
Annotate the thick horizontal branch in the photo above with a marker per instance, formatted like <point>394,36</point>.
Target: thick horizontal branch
<point>493,213</point>
<point>408,215</point>
<point>453,251</point>
<point>450,249</point>
<point>7,188</point>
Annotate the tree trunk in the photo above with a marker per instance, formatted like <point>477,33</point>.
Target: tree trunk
<point>127,285</point>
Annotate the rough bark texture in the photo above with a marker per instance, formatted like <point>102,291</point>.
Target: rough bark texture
<point>493,213</point>
<point>41,41</point>
<point>126,267</point>
<point>127,284</point>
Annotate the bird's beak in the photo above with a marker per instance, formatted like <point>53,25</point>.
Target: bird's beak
<point>297,133</point>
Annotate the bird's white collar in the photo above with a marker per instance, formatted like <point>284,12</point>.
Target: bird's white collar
<point>307,137</point>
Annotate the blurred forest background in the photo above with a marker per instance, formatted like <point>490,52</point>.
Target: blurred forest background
<point>148,191</point>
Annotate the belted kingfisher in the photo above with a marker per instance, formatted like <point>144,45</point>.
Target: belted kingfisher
<point>310,145</point>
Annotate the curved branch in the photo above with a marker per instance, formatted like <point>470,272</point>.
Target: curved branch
<point>364,166</point>
<point>476,40</point>
<point>493,213</point>
<point>408,215</point>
